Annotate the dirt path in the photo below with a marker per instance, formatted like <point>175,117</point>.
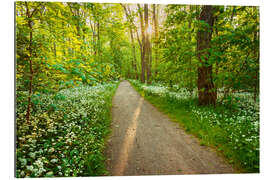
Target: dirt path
<point>145,142</point>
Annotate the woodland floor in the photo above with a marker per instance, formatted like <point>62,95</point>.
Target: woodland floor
<point>144,141</point>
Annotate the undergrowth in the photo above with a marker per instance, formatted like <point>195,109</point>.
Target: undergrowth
<point>232,127</point>
<point>66,133</point>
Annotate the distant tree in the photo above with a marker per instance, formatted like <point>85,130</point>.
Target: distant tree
<point>156,29</point>
<point>131,27</point>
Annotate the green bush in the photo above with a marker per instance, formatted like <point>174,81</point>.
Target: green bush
<point>66,132</point>
<point>232,126</point>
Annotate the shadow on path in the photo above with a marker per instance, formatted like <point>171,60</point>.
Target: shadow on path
<point>145,142</point>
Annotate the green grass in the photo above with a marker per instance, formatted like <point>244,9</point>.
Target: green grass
<point>210,134</point>
<point>178,112</point>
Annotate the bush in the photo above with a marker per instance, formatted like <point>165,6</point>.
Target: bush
<point>232,127</point>
<point>66,132</point>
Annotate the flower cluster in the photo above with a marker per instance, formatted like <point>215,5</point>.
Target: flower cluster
<point>235,121</point>
<point>65,135</point>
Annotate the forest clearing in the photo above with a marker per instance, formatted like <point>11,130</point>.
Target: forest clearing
<point>136,89</point>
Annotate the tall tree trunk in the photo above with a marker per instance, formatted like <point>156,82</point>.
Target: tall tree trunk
<point>134,56</point>
<point>216,68</point>
<point>30,62</point>
<point>93,38</point>
<point>149,81</point>
<point>95,34</point>
<point>133,48</point>
<point>142,45</point>
<point>134,61</point>
<point>207,94</point>
<point>257,57</point>
<point>147,45</point>
<point>98,40</point>
<point>54,49</point>
<point>155,18</point>
<point>190,87</point>
<point>63,39</point>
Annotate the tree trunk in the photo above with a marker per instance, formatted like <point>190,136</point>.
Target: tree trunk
<point>190,87</point>
<point>93,38</point>
<point>142,45</point>
<point>134,54</point>
<point>134,49</point>
<point>206,89</point>
<point>63,39</point>
<point>155,18</point>
<point>54,49</point>
<point>257,57</point>
<point>93,28</point>
<point>98,40</point>
<point>30,64</point>
<point>147,45</point>
<point>216,68</point>
<point>134,61</point>
<point>149,81</point>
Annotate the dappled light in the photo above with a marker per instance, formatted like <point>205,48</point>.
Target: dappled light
<point>198,64</point>
<point>128,141</point>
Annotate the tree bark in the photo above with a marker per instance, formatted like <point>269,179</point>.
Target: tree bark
<point>155,18</point>
<point>149,81</point>
<point>98,40</point>
<point>147,45</point>
<point>28,112</point>
<point>134,56</point>
<point>141,48</point>
<point>257,61</point>
<point>190,87</point>
<point>95,36</point>
<point>134,61</point>
<point>142,45</point>
<point>54,49</point>
<point>206,89</point>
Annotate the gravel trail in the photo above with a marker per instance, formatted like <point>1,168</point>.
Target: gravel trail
<point>144,141</point>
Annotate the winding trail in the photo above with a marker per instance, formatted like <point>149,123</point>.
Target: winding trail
<point>146,142</point>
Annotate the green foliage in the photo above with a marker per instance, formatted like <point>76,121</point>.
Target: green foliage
<point>77,52</point>
<point>234,52</point>
<point>64,52</point>
<point>232,127</point>
<point>66,133</point>
<point>65,48</point>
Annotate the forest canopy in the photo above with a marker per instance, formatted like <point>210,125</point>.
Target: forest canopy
<point>61,45</point>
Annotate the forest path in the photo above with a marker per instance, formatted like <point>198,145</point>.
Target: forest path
<point>146,142</point>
